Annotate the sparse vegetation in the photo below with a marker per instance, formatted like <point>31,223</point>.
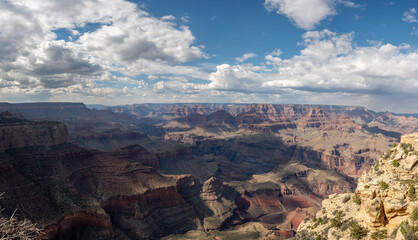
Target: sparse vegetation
<point>356,199</point>
<point>336,222</point>
<point>346,199</point>
<point>408,231</point>
<point>12,228</point>
<point>366,186</point>
<point>384,185</point>
<point>412,192</point>
<point>395,163</point>
<point>357,231</point>
<point>414,215</point>
<point>380,172</point>
<point>304,235</point>
<point>319,237</point>
<point>407,148</point>
<point>387,155</point>
<point>394,145</point>
<point>380,234</point>
<point>376,167</point>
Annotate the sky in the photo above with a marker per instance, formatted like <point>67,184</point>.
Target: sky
<point>345,52</point>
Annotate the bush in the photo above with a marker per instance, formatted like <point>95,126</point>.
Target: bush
<point>408,231</point>
<point>411,192</point>
<point>336,221</point>
<point>366,186</point>
<point>395,163</point>
<point>414,215</point>
<point>346,199</point>
<point>319,237</point>
<point>304,235</point>
<point>356,199</point>
<point>383,185</point>
<point>357,231</point>
<point>387,155</point>
<point>394,145</point>
<point>380,234</point>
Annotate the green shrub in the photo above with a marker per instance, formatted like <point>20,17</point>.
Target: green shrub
<point>395,163</point>
<point>319,237</point>
<point>380,234</point>
<point>394,145</point>
<point>387,155</point>
<point>337,220</point>
<point>383,185</point>
<point>380,172</point>
<point>357,231</point>
<point>414,215</point>
<point>408,231</point>
<point>346,199</point>
<point>356,199</point>
<point>366,186</point>
<point>411,192</point>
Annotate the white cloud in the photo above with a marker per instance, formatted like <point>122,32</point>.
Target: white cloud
<point>168,18</point>
<point>330,68</point>
<point>245,57</point>
<point>348,4</point>
<point>120,37</point>
<point>305,13</point>
<point>409,16</point>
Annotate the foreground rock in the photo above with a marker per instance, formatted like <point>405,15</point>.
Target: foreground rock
<point>384,204</point>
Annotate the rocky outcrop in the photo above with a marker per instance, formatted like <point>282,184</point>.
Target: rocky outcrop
<point>219,200</point>
<point>16,133</point>
<point>384,203</point>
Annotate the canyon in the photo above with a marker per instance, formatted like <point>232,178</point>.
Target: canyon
<point>177,171</point>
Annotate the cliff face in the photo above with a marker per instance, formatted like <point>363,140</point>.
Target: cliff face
<point>384,203</point>
<point>77,193</point>
<point>16,133</point>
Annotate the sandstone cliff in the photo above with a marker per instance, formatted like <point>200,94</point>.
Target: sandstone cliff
<point>384,205</point>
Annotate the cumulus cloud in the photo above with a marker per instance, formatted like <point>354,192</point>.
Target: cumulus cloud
<point>329,66</point>
<point>306,14</point>
<point>409,16</point>
<point>104,36</point>
<point>245,57</point>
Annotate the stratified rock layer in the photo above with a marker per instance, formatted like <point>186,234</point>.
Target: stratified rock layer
<point>385,199</point>
<point>76,193</point>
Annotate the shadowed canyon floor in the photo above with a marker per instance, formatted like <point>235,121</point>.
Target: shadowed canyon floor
<point>198,171</point>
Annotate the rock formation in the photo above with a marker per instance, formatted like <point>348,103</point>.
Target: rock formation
<point>73,192</point>
<point>384,204</point>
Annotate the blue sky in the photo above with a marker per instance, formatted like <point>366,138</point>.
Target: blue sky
<point>264,51</point>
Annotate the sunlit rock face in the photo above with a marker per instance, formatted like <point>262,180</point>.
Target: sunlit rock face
<point>385,198</point>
